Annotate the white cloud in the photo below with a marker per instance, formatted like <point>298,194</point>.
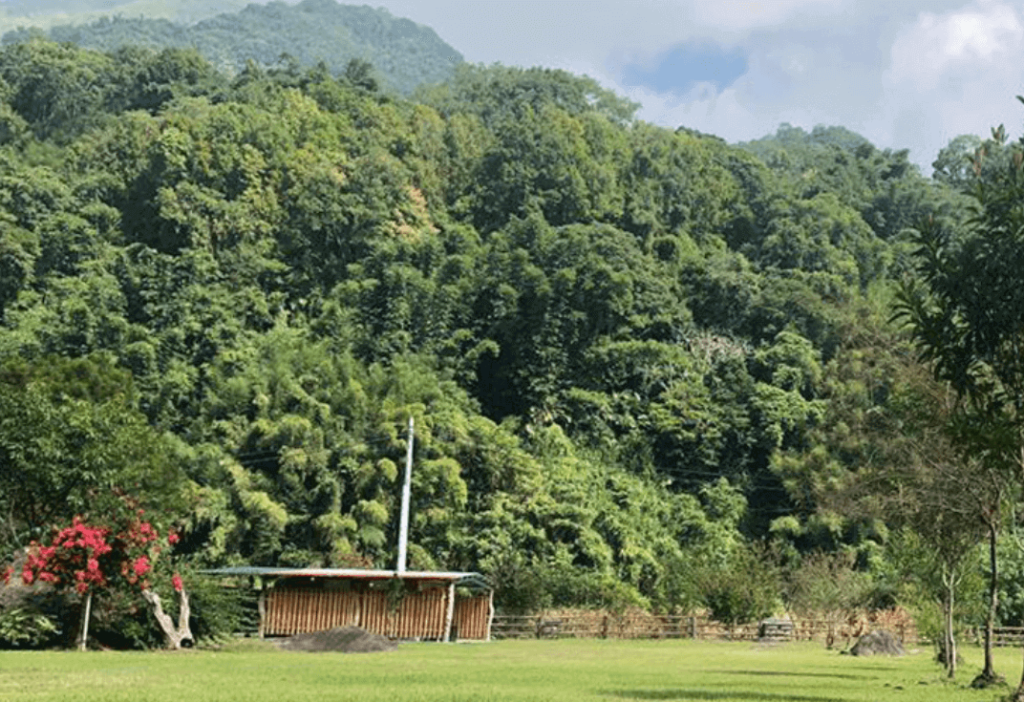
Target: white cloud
<point>703,108</point>
<point>936,46</point>
<point>598,33</point>
<point>954,73</point>
<point>742,16</point>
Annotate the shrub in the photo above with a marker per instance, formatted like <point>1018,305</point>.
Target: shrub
<point>219,611</point>
<point>22,628</point>
<point>745,590</point>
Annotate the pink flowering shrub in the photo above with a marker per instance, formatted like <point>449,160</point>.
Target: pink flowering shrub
<point>90,557</point>
<point>72,558</point>
<point>119,557</point>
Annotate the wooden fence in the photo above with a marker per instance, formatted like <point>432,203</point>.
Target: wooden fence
<point>644,625</point>
<point>590,625</point>
<point>1003,635</point>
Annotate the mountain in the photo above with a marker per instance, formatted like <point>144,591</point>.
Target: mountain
<point>404,53</point>
<point>44,14</point>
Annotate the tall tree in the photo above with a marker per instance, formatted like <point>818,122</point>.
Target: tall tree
<point>70,438</point>
<point>965,310</point>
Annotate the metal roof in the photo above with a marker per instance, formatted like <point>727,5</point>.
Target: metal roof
<point>468,579</point>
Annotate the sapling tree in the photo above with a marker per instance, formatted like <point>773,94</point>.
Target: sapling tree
<point>827,585</point>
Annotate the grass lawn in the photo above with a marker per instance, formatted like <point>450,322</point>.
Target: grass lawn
<point>507,670</point>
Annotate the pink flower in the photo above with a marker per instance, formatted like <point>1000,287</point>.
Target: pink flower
<point>141,565</point>
<point>173,538</point>
<point>176,582</point>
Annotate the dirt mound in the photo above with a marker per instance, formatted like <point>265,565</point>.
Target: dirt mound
<point>877,643</point>
<point>346,639</point>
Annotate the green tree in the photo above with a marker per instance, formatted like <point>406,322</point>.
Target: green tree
<point>745,590</point>
<point>955,161</point>
<point>71,439</point>
<point>59,90</point>
<point>967,320</point>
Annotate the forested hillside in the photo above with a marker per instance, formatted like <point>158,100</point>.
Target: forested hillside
<point>403,53</point>
<point>646,367</point>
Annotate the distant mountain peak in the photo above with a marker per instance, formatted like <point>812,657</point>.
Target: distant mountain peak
<point>404,53</point>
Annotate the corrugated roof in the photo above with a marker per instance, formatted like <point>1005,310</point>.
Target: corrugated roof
<point>467,579</point>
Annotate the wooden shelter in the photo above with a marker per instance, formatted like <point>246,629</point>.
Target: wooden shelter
<point>421,605</point>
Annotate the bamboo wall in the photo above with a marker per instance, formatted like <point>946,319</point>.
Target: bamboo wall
<point>472,617</point>
<point>419,614</point>
<point>294,611</point>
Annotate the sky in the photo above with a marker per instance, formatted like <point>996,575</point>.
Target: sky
<point>906,74</point>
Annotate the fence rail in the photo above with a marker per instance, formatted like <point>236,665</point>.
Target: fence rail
<point>643,625</point>
<point>1005,635</point>
<point>589,626</point>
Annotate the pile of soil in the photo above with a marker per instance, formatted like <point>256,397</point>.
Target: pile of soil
<point>345,639</point>
<point>877,643</point>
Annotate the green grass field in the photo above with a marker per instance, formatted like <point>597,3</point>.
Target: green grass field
<point>509,670</point>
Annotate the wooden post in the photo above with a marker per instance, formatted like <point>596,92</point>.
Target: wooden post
<point>449,612</point>
<point>490,615</point>
<point>693,627</point>
<point>360,606</point>
<point>403,523</point>
<point>261,605</point>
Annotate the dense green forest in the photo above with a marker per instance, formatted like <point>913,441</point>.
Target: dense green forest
<point>646,367</point>
<point>402,54</point>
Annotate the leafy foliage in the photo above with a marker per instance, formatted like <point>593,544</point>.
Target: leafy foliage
<point>24,628</point>
<point>633,355</point>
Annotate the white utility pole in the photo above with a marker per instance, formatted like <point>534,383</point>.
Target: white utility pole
<point>403,525</point>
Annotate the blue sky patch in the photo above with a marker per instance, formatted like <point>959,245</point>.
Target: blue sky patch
<point>686,65</point>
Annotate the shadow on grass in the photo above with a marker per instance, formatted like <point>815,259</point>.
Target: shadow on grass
<point>698,694</point>
<point>783,674</point>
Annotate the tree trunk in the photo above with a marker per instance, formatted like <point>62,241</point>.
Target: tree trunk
<point>949,639</point>
<point>988,676</point>
<point>989,673</point>
<point>1018,694</point>
<point>83,631</point>
<point>175,636</point>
